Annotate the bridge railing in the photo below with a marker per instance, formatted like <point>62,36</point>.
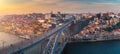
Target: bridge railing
<point>47,42</point>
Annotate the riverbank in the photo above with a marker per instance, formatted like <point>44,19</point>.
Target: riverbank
<point>98,40</point>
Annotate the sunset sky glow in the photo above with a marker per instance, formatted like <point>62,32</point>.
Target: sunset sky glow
<point>68,6</point>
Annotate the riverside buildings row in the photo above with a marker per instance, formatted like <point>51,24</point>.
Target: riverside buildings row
<point>105,25</point>
<point>28,25</point>
<point>38,23</point>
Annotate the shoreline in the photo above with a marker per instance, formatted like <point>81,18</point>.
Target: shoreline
<point>89,41</point>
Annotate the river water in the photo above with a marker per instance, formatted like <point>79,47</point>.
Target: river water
<point>103,47</point>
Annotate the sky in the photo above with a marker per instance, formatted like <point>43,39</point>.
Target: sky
<point>65,6</point>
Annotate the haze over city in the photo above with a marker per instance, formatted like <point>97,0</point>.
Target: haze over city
<point>66,6</point>
<point>59,26</point>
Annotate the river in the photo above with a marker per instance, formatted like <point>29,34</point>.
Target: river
<point>103,47</point>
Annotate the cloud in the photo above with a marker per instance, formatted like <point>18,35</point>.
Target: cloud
<point>17,1</point>
<point>26,6</point>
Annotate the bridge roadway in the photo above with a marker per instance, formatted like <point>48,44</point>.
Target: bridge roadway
<point>50,40</point>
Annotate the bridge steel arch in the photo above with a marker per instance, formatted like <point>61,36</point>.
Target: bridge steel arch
<point>51,42</point>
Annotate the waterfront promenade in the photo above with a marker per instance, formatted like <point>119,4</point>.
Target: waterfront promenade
<point>95,37</point>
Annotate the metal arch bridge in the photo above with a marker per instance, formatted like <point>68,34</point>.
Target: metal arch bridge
<point>51,42</point>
